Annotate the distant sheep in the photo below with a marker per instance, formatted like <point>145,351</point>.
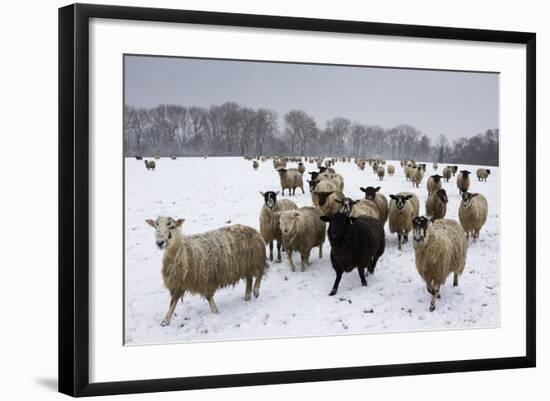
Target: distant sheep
<point>269,220</point>
<point>373,194</point>
<point>291,179</point>
<point>404,206</point>
<point>416,176</point>
<point>139,158</point>
<point>202,263</point>
<point>454,169</point>
<point>435,165</point>
<point>440,249</point>
<point>150,164</point>
<point>381,172</point>
<point>255,165</point>
<point>436,204</point>
<point>434,183</point>
<point>354,243</point>
<point>482,174</point>
<point>463,181</point>
<point>301,168</point>
<point>472,213</point>
<point>447,173</point>
<point>391,169</point>
<point>302,230</point>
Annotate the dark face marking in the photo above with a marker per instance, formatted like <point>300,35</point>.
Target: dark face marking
<point>442,195</point>
<point>323,196</point>
<point>282,172</point>
<point>347,206</point>
<point>465,173</point>
<point>400,201</point>
<point>270,199</point>
<point>420,225</point>
<point>437,178</point>
<point>467,198</point>
<point>370,192</point>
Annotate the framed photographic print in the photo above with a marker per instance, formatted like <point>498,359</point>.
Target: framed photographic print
<point>272,193</point>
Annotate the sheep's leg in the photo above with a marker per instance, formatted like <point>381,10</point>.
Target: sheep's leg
<point>321,251</point>
<point>336,283</point>
<point>304,259</point>
<point>362,276</point>
<point>398,241</point>
<point>171,308</point>
<point>212,304</point>
<point>303,190</point>
<point>278,252</point>
<point>248,290</point>
<point>289,253</point>
<point>432,302</point>
<point>257,285</point>
<point>455,280</point>
<point>271,251</point>
<point>405,237</point>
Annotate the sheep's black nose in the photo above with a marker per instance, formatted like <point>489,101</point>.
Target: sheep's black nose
<point>160,243</point>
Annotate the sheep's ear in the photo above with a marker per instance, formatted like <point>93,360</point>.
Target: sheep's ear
<point>474,195</point>
<point>296,214</point>
<point>377,189</point>
<point>408,197</point>
<point>363,189</point>
<point>179,222</point>
<point>261,193</point>
<point>151,222</point>
<point>326,219</point>
<point>393,197</point>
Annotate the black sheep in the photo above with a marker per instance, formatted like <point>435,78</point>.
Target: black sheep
<point>355,242</point>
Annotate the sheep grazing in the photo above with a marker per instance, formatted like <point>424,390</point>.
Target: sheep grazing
<point>381,172</point>
<point>255,165</point>
<point>463,181</point>
<point>391,170</point>
<point>482,174</point>
<point>301,168</point>
<point>436,204</point>
<point>439,249</point>
<point>416,176</point>
<point>150,165</point>
<point>404,206</point>
<point>302,230</point>
<point>325,195</point>
<point>447,173</point>
<point>472,213</point>
<point>377,197</point>
<point>354,243</point>
<point>435,165</point>
<point>202,263</point>
<point>434,183</point>
<point>358,208</point>
<point>291,179</point>
<point>269,220</point>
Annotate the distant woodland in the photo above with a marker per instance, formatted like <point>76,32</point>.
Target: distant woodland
<point>232,130</point>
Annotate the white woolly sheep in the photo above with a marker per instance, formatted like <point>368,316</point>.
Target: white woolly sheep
<point>472,213</point>
<point>404,206</point>
<point>325,197</point>
<point>447,173</point>
<point>381,172</point>
<point>391,169</point>
<point>482,174</point>
<point>202,263</point>
<point>301,168</point>
<point>463,181</point>
<point>416,176</point>
<point>291,179</point>
<point>433,183</point>
<point>269,220</point>
<point>440,249</point>
<point>302,230</point>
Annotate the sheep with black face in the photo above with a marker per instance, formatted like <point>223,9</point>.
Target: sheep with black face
<point>290,179</point>
<point>269,220</point>
<point>440,249</point>
<point>463,181</point>
<point>472,213</point>
<point>404,206</point>
<point>436,204</point>
<point>434,183</point>
<point>355,243</point>
<point>482,174</point>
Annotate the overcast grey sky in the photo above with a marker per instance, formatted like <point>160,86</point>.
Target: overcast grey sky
<point>453,103</point>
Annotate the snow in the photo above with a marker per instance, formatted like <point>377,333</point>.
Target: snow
<point>210,193</point>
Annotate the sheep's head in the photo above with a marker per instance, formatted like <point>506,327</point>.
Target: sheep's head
<point>346,205</point>
<point>282,172</point>
<point>166,230</point>
<point>370,192</point>
<point>420,226</point>
<point>337,225</point>
<point>488,171</point>
<point>322,169</point>
<point>270,198</point>
<point>314,175</point>
<point>288,221</point>
<point>400,201</point>
<point>465,173</point>
<point>323,196</point>
<point>442,195</point>
<point>467,199</point>
<point>437,177</point>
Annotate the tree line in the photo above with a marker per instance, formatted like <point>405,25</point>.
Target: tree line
<point>232,130</point>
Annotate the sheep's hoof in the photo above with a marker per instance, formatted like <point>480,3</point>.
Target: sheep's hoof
<point>271,258</point>
<point>333,292</point>
<point>247,297</point>
<point>256,293</point>
<point>164,323</point>
<point>279,260</point>
<point>432,308</point>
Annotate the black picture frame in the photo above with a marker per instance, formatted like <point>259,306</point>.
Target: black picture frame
<point>74,198</point>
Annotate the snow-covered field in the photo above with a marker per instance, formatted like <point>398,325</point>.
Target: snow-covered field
<point>210,193</point>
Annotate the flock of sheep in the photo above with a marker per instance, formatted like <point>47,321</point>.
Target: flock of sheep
<point>202,263</point>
